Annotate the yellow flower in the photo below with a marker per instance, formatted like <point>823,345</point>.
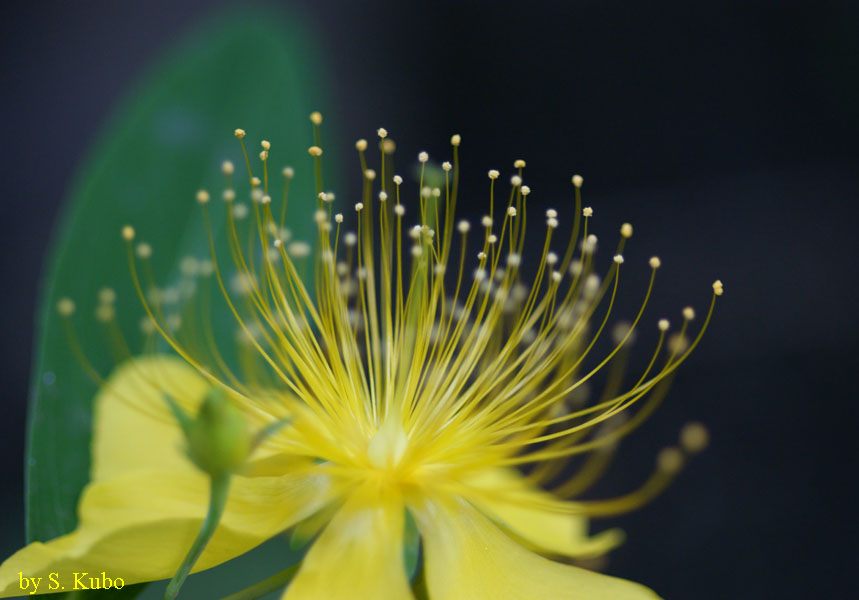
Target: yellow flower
<point>420,377</point>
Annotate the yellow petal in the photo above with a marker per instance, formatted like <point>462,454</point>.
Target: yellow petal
<point>358,555</point>
<point>543,530</point>
<point>139,526</point>
<point>469,558</point>
<point>134,428</point>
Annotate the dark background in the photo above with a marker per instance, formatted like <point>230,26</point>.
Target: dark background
<point>725,132</point>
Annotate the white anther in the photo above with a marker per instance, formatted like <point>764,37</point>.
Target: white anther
<point>556,276</point>
<point>663,324</point>
<point>577,181</point>
<point>359,206</point>
<point>519,164</point>
<point>370,174</point>
<point>417,251</point>
<point>618,258</point>
<point>399,210</point>
<point>655,263</point>
<point>481,255</point>
<point>383,195</point>
<point>492,238</point>
<point>486,221</point>
<point>398,180</point>
<point>463,226</point>
<point>320,215</point>
<point>525,190</point>
<point>266,199</point>
<point>551,213</point>
<point>718,289</point>
<point>588,211</point>
<point>479,274</point>
<point>298,249</point>
<point>552,223</point>
<point>361,145</point>
<point>382,132</point>
<point>436,192</point>
<point>415,232</point>
<point>256,194</point>
<point>493,174</point>
<point>288,172</point>
<point>240,211</point>
<point>229,195</point>
<point>315,151</point>
<point>350,239</point>
<point>626,230</point>
<point>263,155</point>
<point>455,139</point>
<point>551,258</point>
<point>338,217</point>
<point>143,250</point>
<point>239,133</point>
<point>278,243</point>
<point>227,167</point>
<point>688,313</point>
<point>446,166</point>
<point>576,268</point>
<point>515,181</point>
<point>514,260</point>
<point>202,196</point>
<point>423,157</point>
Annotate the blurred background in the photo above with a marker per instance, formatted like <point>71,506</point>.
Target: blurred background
<point>726,132</point>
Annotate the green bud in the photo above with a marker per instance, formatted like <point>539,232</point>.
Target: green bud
<point>218,438</point>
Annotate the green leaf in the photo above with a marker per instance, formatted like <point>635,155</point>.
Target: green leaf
<point>256,70</point>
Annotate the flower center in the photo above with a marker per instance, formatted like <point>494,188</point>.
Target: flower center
<point>388,444</point>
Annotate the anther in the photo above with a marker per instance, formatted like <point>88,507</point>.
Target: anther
<point>417,251</point>
<point>66,307</point>
<point>263,156</point>
<point>423,157</point>
<point>578,181</point>
<point>315,151</point>
<point>128,233</point>
<point>350,239</point>
<point>552,223</point>
<point>694,437</point>
<point>382,132</point>
<point>255,181</point>
<point>486,221</point>
<point>106,295</point>
<point>455,139</point>
<point>143,250</point>
<point>556,276</point>
<point>688,313</point>
<point>655,262</point>
<point>551,213</point>
<point>229,195</point>
<point>515,181</point>
<point>446,166</point>
<point>519,164</point>
<point>398,180</point>
<point>202,196</point>
<point>338,217</point>
<point>399,210</point>
<point>239,133</point>
<point>463,226</point>
<point>525,190</point>
<point>383,195</point>
<point>361,145</point>
<point>492,238</point>
<point>551,258</point>
<point>266,145</point>
<point>266,199</point>
<point>316,117</point>
<point>588,211</point>
<point>370,174</point>
<point>663,324</point>
<point>669,460</point>
<point>717,288</point>
<point>288,172</point>
<point>359,206</point>
<point>511,211</point>
<point>227,167</point>
<point>626,230</point>
<point>493,174</point>
<point>618,258</point>
<point>278,243</point>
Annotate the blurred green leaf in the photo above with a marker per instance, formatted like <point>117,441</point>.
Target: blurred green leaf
<point>258,71</point>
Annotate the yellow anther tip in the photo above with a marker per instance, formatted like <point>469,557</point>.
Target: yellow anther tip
<point>239,133</point>
<point>202,196</point>
<point>455,140</point>
<point>361,145</point>
<point>670,460</point>
<point>626,230</point>
<point>66,307</point>
<point>655,263</point>
<point>519,164</point>
<point>266,145</point>
<point>694,437</point>
<point>315,151</point>
<point>128,233</point>
<point>578,181</point>
<point>316,117</point>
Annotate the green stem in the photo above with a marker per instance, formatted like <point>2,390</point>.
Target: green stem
<point>218,491</point>
<point>266,586</point>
